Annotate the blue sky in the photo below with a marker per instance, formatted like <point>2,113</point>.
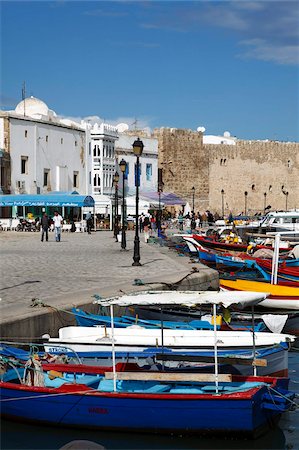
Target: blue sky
<point>222,65</point>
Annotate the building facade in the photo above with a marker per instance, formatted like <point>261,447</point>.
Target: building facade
<point>148,163</point>
<point>41,153</point>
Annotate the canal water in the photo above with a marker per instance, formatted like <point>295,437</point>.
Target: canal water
<point>285,436</point>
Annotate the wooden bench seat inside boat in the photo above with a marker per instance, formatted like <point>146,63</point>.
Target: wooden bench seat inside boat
<point>165,376</point>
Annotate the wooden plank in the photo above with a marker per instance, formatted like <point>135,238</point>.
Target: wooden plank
<point>210,359</point>
<point>167,376</point>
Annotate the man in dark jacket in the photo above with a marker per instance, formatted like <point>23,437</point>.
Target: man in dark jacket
<point>45,223</point>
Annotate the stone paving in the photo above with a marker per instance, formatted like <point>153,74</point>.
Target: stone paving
<point>81,265</point>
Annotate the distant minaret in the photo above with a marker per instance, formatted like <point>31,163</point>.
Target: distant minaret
<point>24,96</point>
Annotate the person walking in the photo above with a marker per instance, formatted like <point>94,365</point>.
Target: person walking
<point>57,219</point>
<point>45,223</point>
<point>146,228</point>
<point>88,222</point>
<point>181,221</point>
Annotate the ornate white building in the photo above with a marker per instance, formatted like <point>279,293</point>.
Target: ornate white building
<point>42,153</point>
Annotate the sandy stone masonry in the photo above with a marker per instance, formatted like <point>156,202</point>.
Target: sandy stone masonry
<point>182,157</point>
<point>266,170</point>
<point>258,168</point>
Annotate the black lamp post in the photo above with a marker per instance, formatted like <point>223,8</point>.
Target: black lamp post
<point>265,201</point>
<point>193,195</point>
<point>222,202</point>
<point>286,194</point>
<point>123,166</point>
<point>245,194</point>
<point>137,149</point>
<point>159,221</point>
<point>115,182</point>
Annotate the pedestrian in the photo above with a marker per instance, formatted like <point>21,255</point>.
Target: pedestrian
<point>57,219</point>
<point>45,223</point>
<point>141,219</point>
<point>146,228</point>
<point>193,223</point>
<point>181,221</point>
<point>89,222</point>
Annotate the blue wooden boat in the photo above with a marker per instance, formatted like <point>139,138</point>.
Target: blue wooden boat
<point>85,319</point>
<point>97,398</point>
<point>275,359</point>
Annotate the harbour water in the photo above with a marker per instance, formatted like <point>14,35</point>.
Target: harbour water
<point>285,436</point>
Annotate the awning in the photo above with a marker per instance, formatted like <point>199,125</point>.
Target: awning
<point>72,200</point>
<point>167,198</point>
<point>187,298</point>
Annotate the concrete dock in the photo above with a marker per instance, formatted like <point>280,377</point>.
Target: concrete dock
<point>67,273</point>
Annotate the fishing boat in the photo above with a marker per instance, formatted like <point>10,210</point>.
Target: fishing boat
<point>85,319</point>
<point>280,296</point>
<point>262,268</point>
<point>139,342</point>
<point>212,243</point>
<point>176,403</point>
<point>269,361</point>
<point>285,272</point>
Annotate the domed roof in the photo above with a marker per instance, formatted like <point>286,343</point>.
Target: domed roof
<point>32,106</point>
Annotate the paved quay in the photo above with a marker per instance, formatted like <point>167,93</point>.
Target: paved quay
<point>70,272</point>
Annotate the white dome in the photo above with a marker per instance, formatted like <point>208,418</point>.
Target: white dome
<point>32,106</point>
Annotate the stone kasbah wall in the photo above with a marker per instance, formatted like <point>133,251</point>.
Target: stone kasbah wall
<point>257,167</point>
<point>182,158</point>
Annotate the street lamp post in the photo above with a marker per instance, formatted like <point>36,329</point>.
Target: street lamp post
<point>123,166</point>
<point>265,201</point>
<point>222,202</point>
<point>159,221</point>
<point>115,182</point>
<point>193,195</point>
<point>137,149</point>
<point>245,194</point>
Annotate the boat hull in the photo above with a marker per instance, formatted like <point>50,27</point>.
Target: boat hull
<point>282,297</point>
<point>72,405</point>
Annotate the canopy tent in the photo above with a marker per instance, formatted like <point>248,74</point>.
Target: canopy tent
<point>57,199</point>
<point>144,205</point>
<point>167,198</point>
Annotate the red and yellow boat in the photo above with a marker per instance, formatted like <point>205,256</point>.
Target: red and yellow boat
<point>281,296</point>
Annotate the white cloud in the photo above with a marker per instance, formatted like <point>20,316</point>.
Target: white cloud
<point>265,51</point>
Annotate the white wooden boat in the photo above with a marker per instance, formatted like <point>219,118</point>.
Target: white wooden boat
<point>136,339</point>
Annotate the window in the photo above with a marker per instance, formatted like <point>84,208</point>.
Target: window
<point>61,141</point>
<point>46,177</point>
<point>47,138</point>
<point>149,172</point>
<point>76,179</point>
<point>24,164</point>
<point>26,133</point>
<point>89,177</point>
<point>76,143</point>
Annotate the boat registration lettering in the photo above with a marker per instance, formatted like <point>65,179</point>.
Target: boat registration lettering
<point>93,410</point>
<point>57,350</point>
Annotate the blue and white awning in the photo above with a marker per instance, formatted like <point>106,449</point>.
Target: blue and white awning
<point>71,200</point>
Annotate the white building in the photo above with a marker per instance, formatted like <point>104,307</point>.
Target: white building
<point>45,153</point>
<point>148,161</point>
<point>226,139</point>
